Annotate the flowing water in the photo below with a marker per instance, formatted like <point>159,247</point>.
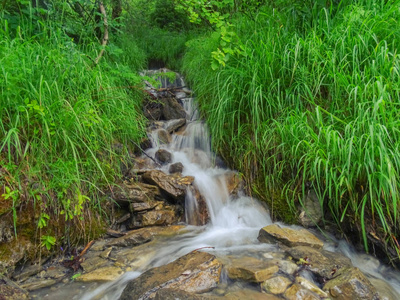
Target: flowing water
<point>234,223</point>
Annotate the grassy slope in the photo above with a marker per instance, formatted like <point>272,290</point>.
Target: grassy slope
<point>312,103</point>
<point>62,120</point>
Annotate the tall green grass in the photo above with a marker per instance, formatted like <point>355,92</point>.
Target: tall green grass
<point>63,120</point>
<point>313,103</point>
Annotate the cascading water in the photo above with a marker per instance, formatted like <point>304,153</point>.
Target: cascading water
<point>234,223</point>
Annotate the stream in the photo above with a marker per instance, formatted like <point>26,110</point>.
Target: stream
<point>232,230</point>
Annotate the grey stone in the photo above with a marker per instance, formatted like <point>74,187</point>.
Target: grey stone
<point>163,156</point>
<point>175,168</point>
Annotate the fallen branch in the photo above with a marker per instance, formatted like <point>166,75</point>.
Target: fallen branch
<point>105,37</point>
<point>86,248</point>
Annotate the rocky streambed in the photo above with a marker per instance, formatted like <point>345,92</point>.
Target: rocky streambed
<point>184,229</point>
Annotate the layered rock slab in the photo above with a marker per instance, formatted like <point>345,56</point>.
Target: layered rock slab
<point>195,272</point>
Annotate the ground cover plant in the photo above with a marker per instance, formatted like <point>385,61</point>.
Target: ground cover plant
<point>67,122</point>
<point>312,103</point>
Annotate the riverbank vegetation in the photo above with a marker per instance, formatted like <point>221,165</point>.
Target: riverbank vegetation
<point>312,103</point>
<point>299,96</point>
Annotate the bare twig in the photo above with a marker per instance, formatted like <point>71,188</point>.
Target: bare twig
<point>105,36</point>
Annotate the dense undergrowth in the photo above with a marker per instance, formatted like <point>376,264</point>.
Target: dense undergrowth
<point>312,103</point>
<point>67,123</point>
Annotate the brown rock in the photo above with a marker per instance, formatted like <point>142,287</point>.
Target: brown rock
<point>156,218</point>
<point>163,156</point>
<point>93,263</point>
<point>289,236</point>
<point>142,206</point>
<point>173,125</point>
<point>195,272</point>
<point>311,286</point>
<point>102,274</point>
<point>251,269</point>
<point>247,294</point>
<point>172,109</point>
<point>296,292</point>
<point>321,262</point>
<point>172,185</point>
<point>176,168</point>
<point>276,285</point>
<point>350,283</point>
<point>196,208</point>
<point>38,284</point>
<point>133,238</point>
<point>174,294</point>
<point>11,291</point>
<point>163,137</point>
<point>234,182</point>
<point>136,192</point>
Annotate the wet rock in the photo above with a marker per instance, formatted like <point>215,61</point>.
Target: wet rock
<point>172,185</point>
<point>251,269</point>
<point>248,295</point>
<point>296,292</point>
<point>173,125</point>
<point>321,262</point>
<point>196,209</point>
<point>102,274</point>
<point>153,110</point>
<point>27,272</point>
<point>173,294</point>
<point>276,285</point>
<point>288,236</point>
<point>311,286</point>
<point>13,252</point>
<point>38,284</point>
<point>163,137</point>
<point>93,263</point>
<point>180,95</point>
<point>195,272</point>
<point>234,182</point>
<point>286,266</point>
<point>136,192</point>
<point>311,211</point>
<point>350,283</point>
<point>11,291</point>
<point>163,156</point>
<point>56,272</point>
<point>176,168</point>
<point>142,206</point>
<point>132,238</point>
<point>172,109</point>
<point>166,216</point>
<point>140,164</point>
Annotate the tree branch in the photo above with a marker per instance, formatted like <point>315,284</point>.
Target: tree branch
<point>105,36</point>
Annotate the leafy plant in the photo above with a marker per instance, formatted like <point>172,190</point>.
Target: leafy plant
<point>48,241</point>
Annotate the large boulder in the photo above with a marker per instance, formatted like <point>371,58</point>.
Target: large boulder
<point>322,263</point>
<point>172,109</point>
<point>166,215</point>
<point>174,186</point>
<point>195,272</point>
<point>288,236</point>
<point>350,283</point>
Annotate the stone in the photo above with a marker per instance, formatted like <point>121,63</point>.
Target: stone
<point>56,272</point>
<point>196,209</point>
<point>172,185</point>
<point>276,285</point>
<point>103,274</point>
<point>311,286</point>
<point>93,263</point>
<point>127,193</point>
<point>322,263</point>
<point>163,156</point>
<point>162,137</point>
<point>174,294</point>
<point>153,110</point>
<point>38,284</point>
<point>132,238</point>
<point>286,266</point>
<point>172,109</point>
<point>175,168</point>
<point>288,236</point>
<point>6,230</point>
<point>196,272</point>
<point>142,206</point>
<point>11,291</point>
<point>180,95</point>
<point>296,292</point>
<point>350,283</point>
<point>13,252</point>
<point>234,182</point>
<point>247,294</point>
<point>27,271</point>
<point>167,216</point>
<point>251,269</point>
<point>173,125</point>
<point>310,212</point>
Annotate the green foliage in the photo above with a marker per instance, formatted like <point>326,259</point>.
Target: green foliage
<point>62,114</point>
<point>48,241</point>
<point>312,103</point>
